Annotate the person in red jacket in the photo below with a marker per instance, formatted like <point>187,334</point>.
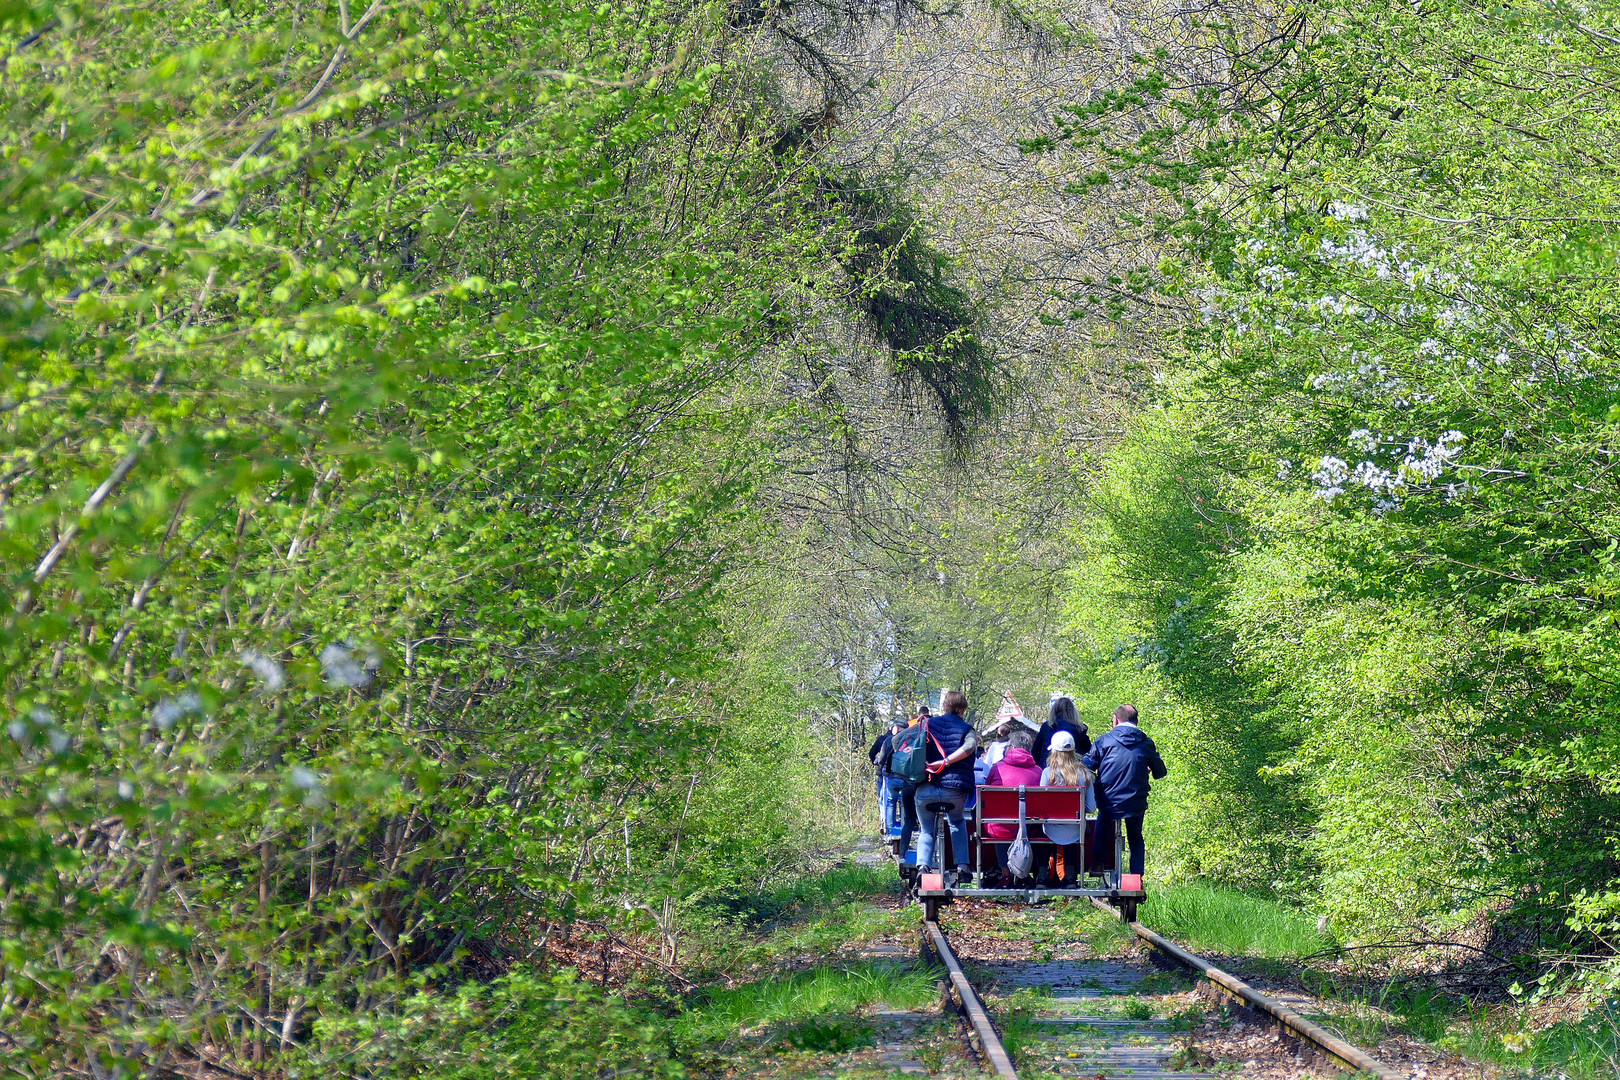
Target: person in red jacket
<point>1017,766</point>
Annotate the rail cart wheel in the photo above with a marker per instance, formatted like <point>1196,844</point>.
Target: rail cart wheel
<point>931,909</point>
<point>1127,910</point>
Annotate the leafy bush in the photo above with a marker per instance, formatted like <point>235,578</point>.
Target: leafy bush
<point>1354,545</point>
<point>359,567</point>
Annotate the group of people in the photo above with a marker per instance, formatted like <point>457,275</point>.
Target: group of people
<point>1114,773</point>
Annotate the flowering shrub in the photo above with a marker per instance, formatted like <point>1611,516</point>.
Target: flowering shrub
<point>1397,376</point>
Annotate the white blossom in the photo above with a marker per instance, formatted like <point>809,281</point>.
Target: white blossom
<point>1428,460</point>
<point>1457,313</point>
<point>1271,278</point>
<point>1338,305</point>
<point>269,671</point>
<point>1363,439</point>
<point>41,717</point>
<point>1370,476</point>
<point>1343,211</point>
<point>310,784</point>
<point>342,669</point>
<point>1330,476</point>
<point>169,711</point>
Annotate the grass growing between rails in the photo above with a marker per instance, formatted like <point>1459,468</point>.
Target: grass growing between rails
<point>778,998</point>
<point>1018,1021</point>
<point>1207,918</point>
<point>1056,928</point>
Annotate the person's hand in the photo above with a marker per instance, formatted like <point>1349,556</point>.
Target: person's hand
<point>934,768</point>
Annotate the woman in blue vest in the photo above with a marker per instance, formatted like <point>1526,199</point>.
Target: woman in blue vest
<point>951,747</point>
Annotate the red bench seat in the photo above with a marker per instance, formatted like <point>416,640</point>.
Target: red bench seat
<point>1060,805</point>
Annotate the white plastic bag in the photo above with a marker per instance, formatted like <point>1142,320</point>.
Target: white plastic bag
<point>1020,856</point>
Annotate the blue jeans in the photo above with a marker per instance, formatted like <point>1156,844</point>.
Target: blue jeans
<point>900,810</point>
<point>931,793</point>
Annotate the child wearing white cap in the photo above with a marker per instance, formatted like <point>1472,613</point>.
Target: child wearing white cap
<point>1063,769</point>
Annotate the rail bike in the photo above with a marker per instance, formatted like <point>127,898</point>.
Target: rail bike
<point>1042,806</point>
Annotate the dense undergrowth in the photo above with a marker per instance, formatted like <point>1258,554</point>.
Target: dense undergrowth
<point>386,393</point>
<point>758,983</point>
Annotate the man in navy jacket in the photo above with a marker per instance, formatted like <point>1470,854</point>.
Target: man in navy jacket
<point>1123,760</point>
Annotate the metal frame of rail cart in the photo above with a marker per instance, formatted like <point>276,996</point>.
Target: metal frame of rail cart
<point>1055,805</point>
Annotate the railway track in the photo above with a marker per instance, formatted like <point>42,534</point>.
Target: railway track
<point>1109,1046</point>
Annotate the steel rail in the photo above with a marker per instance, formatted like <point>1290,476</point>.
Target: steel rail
<point>1341,1052</point>
<point>989,1042</point>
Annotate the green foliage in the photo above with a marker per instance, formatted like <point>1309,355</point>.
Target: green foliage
<point>371,454</point>
<point>1137,1009</point>
<point>834,1035</point>
<point>1583,1047</point>
<point>917,311</point>
<point>1161,524</point>
<point>1361,545</point>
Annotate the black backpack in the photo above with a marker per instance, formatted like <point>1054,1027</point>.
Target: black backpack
<point>885,754</point>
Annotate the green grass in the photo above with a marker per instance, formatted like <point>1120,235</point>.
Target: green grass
<point>824,931</point>
<point>781,1002</point>
<point>1584,1050</point>
<point>1203,917</point>
<point>1137,1009</point>
<point>1017,1020</point>
<point>808,914</point>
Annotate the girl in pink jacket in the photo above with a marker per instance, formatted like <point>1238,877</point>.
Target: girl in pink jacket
<point>1017,766</point>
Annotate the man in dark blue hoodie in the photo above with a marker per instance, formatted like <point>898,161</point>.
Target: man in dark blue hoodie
<point>1123,760</point>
